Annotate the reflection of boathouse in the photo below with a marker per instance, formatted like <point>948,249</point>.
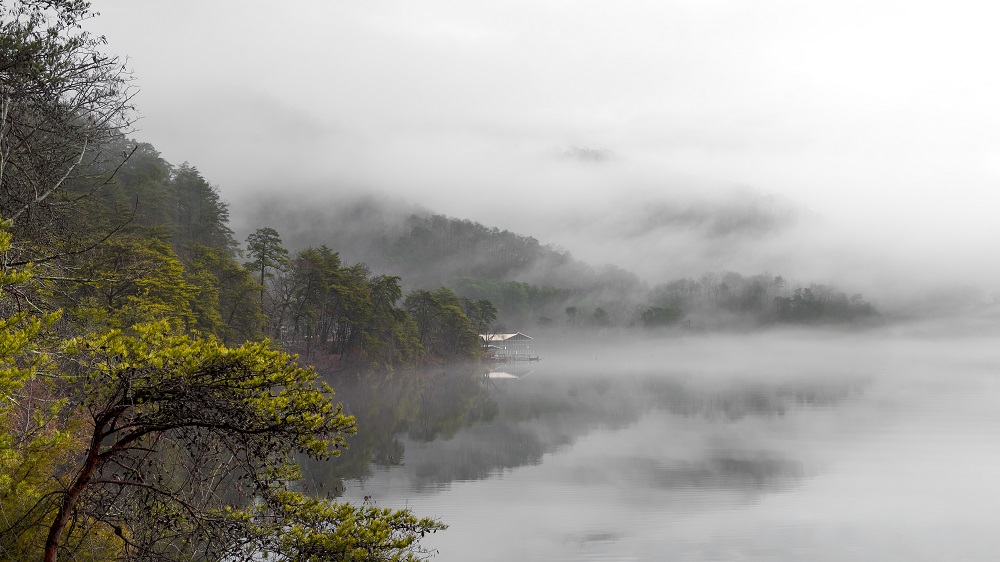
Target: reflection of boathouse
<point>510,371</point>
<point>507,347</point>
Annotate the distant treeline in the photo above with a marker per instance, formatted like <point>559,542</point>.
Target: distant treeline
<point>538,285</point>
<point>760,299</point>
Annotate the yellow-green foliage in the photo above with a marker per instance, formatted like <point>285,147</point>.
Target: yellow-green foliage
<point>34,444</point>
<point>265,386</point>
<point>226,300</point>
<point>239,413</point>
<point>82,421</point>
<point>130,280</point>
<point>306,529</point>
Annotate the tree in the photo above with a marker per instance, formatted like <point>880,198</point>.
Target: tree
<point>225,304</point>
<point>600,318</point>
<point>658,316</point>
<point>29,450</point>
<point>201,215</point>
<point>173,422</point>
<point>128,280</point>
<point>481,314</point>
<point>390,337</point>
<point>264,246</point>
<point>312,303</point>
<point>61,99</point>
<point>571,315</point>
<point>423,308</point>
<point>444,330</point>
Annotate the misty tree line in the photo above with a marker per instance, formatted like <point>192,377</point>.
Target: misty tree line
<point>535,285</point>
<point>713,300</point>
<point>330,311</point>
<point>761,299</point>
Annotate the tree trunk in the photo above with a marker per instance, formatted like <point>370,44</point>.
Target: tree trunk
<point>69,500</point>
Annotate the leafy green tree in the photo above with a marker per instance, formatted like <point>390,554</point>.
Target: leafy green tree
<point>298,527</point>
<point>201,215</point>
<point>174,420</point>
<point>353,308</point>
<point>515,301</point>
<point>423,308</point>
<point>145,179</point>
<point>444,330</point>
<point>328,303</point>
<point>344,313</point>
<point>225,302</point>
<point>128,280</point>
<point>268,255</point>
<point>482,314</point>
<point>312,298</point>
<point>33,447</point>
<point>390,337</point>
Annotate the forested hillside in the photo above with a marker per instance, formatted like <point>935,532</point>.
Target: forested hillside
<point>533,284</point>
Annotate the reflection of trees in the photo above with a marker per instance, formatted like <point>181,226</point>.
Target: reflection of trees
<point>482,451</point>
<point>727,470</point>
<point>444,405</point>
<point>748,399</point>
<point>423,404</point>
<point>453,424</point>
<point>484,409</point>
<point>532,417</point>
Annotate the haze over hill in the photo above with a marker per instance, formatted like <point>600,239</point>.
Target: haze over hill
<point>566,122</point>
<point>647,248</point>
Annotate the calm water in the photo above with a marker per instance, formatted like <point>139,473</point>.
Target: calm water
<point>876,446</point>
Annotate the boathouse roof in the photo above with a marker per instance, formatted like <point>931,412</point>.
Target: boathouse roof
<point>517,336</point>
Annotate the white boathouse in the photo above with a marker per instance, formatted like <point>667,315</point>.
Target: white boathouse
<point>507,347</point>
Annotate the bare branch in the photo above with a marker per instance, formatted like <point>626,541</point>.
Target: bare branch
<point>114,231</point>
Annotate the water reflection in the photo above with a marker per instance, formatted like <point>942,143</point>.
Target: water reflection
<point>471,422</point>
<point>795,448</point>
<point>510,370</point>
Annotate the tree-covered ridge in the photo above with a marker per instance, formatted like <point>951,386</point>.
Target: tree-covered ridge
<point>531,283</point>
<point>428,249</point>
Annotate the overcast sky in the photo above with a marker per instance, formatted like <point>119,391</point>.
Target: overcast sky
<point>875,122</point>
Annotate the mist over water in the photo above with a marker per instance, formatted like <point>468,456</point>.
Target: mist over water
<point>810,445</point>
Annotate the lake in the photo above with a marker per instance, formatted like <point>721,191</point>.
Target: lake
<point>816,445</point>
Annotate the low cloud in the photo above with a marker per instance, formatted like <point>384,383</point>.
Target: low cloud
<point>587,154</point>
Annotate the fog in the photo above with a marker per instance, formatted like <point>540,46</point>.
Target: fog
<point>819,445</point>
<point>850,144</point>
